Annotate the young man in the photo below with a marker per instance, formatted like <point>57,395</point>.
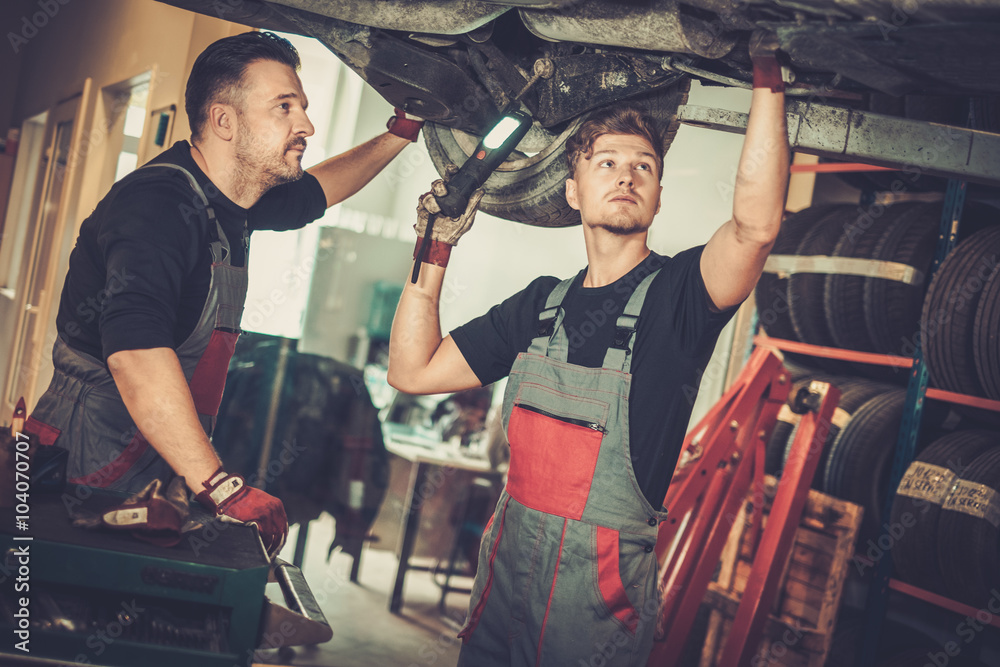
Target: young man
<point>138,381</point>
<point>595,408</point>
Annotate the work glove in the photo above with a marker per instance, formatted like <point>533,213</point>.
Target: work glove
<point>404,125</point>
<point>767,70</point>
<point>232,500</point>
<point>434,247</point>
<point>157,514</point>
<point>445,230</point>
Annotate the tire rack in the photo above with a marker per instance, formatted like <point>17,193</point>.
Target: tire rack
<point>882,582</point>
<point>871,141</point>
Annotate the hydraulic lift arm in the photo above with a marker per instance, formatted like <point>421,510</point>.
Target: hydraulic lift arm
<point>723,460</point>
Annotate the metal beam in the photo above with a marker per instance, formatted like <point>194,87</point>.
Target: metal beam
<point>916,147</point>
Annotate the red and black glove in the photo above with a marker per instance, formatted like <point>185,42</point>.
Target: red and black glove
<point>230,499</point>
<point>766,67</point>
<point>157,514</point>
<point>404,125</point>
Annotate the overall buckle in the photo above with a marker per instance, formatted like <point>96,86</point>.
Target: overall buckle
<point>622,337</point>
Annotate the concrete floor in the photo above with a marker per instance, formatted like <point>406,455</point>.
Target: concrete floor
<point>365,634</point>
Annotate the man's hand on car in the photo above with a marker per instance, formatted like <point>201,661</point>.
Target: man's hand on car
<point>404,125</point>
<point>767,70</point>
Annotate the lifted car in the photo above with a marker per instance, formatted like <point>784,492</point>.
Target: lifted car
<point>457,62</point>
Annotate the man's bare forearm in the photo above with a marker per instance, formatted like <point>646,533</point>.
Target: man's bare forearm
<point>416,328</point>
<point>344,175</point>
<point>734,257</point>
<point>154,390</point>
<point>762,175</point>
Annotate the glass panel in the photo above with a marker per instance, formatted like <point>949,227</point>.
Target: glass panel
<point>135,117</point>
<point>26,355</point>
<point>20,221</point>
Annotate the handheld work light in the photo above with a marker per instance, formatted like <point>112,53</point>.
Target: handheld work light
<point>489,154</point>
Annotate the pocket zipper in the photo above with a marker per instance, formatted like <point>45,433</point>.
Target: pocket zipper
<point>593,426</point>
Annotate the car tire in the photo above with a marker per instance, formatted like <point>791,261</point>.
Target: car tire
<point>532,188</point>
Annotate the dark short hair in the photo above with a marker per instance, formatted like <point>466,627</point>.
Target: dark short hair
<point>219,73</point>
<point>617,119</point>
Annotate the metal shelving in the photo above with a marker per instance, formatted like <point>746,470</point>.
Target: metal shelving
<point>881,582</point>
<point>763,340</point>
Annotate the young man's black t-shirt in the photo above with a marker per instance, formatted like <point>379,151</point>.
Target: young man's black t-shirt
<point>139,274</point>
<point>674,340</point>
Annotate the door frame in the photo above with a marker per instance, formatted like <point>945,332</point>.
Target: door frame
<point>16,383</point>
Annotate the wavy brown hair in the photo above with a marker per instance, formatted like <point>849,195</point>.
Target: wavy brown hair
<point>619,119</point>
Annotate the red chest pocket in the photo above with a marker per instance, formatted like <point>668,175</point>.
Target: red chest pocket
<point>552,460</point>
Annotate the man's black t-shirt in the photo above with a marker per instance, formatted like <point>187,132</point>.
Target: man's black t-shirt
<point>139,274</point>
<point>674,340</point>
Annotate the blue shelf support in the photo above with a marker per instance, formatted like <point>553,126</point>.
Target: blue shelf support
<point>909,431</point>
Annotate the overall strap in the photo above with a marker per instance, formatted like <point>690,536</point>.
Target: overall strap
<point>619,354</point>
<point>550,337</point>
<point>218,242</point>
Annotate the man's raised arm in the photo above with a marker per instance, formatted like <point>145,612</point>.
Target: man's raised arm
<point>344,175</point>
<point>420,361</point>
<point>734,257</point>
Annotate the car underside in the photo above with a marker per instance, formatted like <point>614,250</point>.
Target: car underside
<point>457,62</point>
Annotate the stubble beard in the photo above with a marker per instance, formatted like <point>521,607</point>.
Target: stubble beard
<point>260,168</point>
<point>623,224</point>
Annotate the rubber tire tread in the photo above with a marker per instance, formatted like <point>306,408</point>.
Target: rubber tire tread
<point>854,394</point>
<point>914,553</point>
<point>892,308</point>
<point>536,195</point>
<point>949,351</point>
<point>986,337</point>
<point>843,294</point>
<point>776,453</point>
<point>969,547</point>
<point>805,290</point>
<point>859,459</point>
<point>774,290</point>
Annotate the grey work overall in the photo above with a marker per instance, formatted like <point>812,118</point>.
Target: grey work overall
<point>83,411</point>
<point>567,571</point>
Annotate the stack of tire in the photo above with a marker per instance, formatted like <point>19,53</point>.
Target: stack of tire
<point>857,455</point>
<point>873,314</point>
<point>854,393</point>
<point>945,518</point>
<point>961,320</point>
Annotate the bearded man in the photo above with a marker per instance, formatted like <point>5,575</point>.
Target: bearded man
<point>138,381</point>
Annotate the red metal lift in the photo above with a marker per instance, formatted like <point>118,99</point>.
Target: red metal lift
<point>722,460</point>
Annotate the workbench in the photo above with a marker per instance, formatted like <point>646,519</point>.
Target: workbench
<point>422,459</point>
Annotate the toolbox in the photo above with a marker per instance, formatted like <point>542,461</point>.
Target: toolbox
<point>102,597</point>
